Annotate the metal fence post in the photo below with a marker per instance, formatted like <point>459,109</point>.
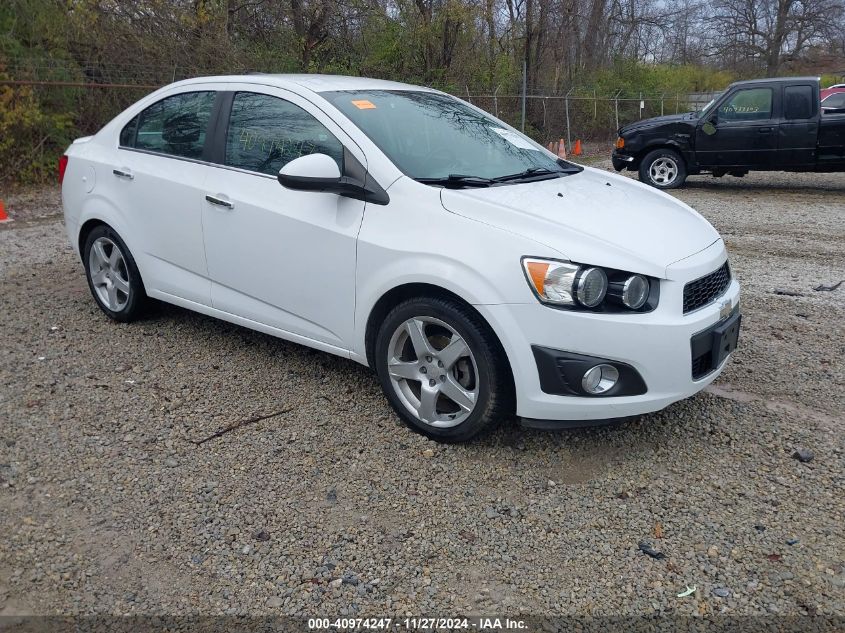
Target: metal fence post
<point>496,103</point>
<point>616,107</point>
<point>545,127</point>
<point>524,89</point>
<point>568,135</point>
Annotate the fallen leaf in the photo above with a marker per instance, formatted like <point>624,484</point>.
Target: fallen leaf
<point>774,557</point>
<point>658,530</point>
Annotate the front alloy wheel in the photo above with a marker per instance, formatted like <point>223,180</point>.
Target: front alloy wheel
<point>663,171</point>
<point>663,168</point>
<point>433,372</point>
<point>442,369</point>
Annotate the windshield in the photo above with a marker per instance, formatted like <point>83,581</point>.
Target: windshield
<point>431,136</point>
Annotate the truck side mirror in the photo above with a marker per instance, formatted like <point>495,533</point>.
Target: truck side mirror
<point>709,127</point>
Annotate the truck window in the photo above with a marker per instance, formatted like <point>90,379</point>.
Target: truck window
<point>836,100</point>
<point>750,104</point>
<point>798,102</point>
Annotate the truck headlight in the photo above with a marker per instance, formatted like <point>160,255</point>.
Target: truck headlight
<point>566,284</point>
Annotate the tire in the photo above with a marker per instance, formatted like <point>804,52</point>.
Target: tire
<point>663,169</point>
<point>112,275</point>
<point>448,389</point>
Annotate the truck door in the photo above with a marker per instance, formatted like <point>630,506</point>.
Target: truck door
<point>745,132</point>
<point>799,127</point>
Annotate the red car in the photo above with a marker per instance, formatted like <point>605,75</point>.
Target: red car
<point>832,90</point>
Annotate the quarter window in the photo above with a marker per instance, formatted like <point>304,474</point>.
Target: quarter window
<point>266,133</point>
<point>798,102</point>
<point>175,125</point>
<point>752,104</point>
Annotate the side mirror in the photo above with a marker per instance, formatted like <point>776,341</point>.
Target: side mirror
<point>319,172</point>
<point>314,172</point>
<point>709,127</point>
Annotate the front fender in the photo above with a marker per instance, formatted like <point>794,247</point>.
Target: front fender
<point>423,243</point>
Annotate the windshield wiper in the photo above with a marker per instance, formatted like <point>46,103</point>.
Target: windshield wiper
<point>529,173</point>
<point>456,181</point>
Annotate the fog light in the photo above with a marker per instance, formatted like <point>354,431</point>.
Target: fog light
<point>600,378</point>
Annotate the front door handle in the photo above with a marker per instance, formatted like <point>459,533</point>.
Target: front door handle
<point>764,130</point>
<point>220,202</point>
<point>123,173</point>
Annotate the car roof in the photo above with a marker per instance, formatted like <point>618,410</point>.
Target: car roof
<point>314,83</point>
<point>776,80</point>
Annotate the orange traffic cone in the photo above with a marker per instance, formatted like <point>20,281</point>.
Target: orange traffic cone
<point>561,149</point>
<point>3,216</point>
<point>577,151</point>
<point>551,146</point>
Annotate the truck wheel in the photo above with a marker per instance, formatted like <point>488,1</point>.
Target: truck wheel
<point>663,168</point>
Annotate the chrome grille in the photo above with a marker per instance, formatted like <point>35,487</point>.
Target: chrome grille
<point>705,289</point>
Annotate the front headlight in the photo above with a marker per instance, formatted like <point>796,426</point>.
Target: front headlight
<point>571,285</point>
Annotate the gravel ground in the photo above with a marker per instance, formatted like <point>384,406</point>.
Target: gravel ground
<point>108,504</point>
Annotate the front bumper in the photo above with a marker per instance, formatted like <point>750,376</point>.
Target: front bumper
<point>657,345</point>
<point>621,161</point>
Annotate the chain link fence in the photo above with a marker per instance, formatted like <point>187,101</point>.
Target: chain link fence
<point>94,92</point>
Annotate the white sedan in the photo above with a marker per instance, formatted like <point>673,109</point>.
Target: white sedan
<point>477,273</point>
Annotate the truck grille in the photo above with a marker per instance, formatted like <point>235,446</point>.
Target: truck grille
<point>705,289</point>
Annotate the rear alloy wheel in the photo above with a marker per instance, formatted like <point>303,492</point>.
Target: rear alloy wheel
<point>112,275</point>
<point>663,168</point>
<point>442,370</point>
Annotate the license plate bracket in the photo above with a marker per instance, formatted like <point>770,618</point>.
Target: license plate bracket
<point>725,339</point>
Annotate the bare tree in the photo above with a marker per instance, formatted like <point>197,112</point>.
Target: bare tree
<point>765,33</point>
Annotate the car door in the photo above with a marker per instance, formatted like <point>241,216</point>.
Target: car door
<point>799,127</point>
<point>280,257</point>
<point>159,180</point>
<point>743,133</point>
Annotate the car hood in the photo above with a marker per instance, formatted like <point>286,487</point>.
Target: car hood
<point>657,121</point>
<point>592,217</point>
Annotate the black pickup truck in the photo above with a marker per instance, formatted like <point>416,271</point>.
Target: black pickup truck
<point>765,124</point>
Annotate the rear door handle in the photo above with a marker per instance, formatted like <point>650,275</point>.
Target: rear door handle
<point>764,130</point>
<point>123,173</point>
<point>220,202</point>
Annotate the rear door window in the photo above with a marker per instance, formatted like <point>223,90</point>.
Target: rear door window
<point>266,133</point>
<point>749,104</point>
<point>175,125</point>
<point>797,102</point>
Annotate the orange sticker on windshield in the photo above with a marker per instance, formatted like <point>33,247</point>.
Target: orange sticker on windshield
<point>363,104</point>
